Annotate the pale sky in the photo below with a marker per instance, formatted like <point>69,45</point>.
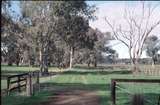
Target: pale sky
<point>113,10</point>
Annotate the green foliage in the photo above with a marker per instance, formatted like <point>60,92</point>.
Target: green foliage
<point>96,50</point>
<point>50,31</point>
<point>68,9</point>
<point>72,23</point>
<point>72,31</point>
<point>152,47</point>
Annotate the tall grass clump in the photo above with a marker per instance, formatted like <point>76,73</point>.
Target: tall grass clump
<point>137,99</point>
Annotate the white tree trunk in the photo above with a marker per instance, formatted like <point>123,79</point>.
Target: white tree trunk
<point>131,60</point>
<point>40,60</point>
<point>153,63</point>
<point>71,58</point>
<point>45,60</point>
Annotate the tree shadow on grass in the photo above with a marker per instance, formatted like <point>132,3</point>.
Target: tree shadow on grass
<point>102,67</point>
<point>93,68</point>
<point>97,72</point>
<point>5,74</point>
<point>72,86</point>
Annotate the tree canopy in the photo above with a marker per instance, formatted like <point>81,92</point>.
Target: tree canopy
<point>52,33</point>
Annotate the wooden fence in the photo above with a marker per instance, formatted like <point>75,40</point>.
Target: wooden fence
<point>114,81</point>
<point>22,80</point>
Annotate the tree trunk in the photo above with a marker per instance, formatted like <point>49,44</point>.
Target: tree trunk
<point>17,58</point>
<point>10,61</point>
<point>40,61</point>
<point>153,62</point>
<point>17,63</point>
<point>43,61</point>
<point>21,60</point>
<point>71,57</point>
<point>135,65</point>
<point>95,64</point>
<point>89,63</point>
<point>95,61</point>
<point>37,60</point>
<point>132,61</point>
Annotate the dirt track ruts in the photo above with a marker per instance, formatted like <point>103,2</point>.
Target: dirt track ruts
<point>74,97</point>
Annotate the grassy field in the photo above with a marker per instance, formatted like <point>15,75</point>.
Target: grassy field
<point>97,80</point>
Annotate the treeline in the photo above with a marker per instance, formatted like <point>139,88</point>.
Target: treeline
<point>51,33</point>
<point>141,61</point>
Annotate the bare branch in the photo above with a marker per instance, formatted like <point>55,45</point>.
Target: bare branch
<point>137,32</point>
<point>115,33</point>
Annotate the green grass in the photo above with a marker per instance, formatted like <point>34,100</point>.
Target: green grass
<point>88,79</point>
<point>100,81</point>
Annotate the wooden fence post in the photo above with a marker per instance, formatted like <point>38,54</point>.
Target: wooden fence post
<point>8,83</point>
<point>19,88</point>
<point>36,86</point>
<point>38,80</point>
<point>29,85</point>
<point>113,92</point>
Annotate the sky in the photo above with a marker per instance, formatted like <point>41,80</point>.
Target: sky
<point>113,11</point>
<point>15,7</point>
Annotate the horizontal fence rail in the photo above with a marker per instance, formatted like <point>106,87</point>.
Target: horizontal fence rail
<point>13,84</point>
<point>115,80</point>
<point>22,80</point>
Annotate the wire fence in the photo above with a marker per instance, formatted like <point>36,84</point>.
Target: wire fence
<point>123,91</point>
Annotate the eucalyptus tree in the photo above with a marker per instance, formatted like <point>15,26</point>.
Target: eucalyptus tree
<point>100,49</point>
<point>152,45</point>
<point>72,24</point>
<point>96,50</point>
<point>40,22</point>
<point>86,52</point>
<point>5,25</point>
<point>9,31</point>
